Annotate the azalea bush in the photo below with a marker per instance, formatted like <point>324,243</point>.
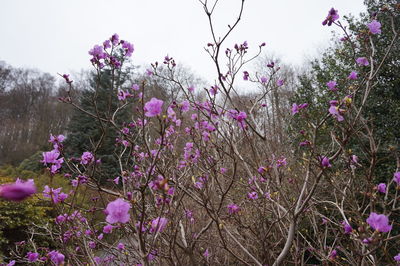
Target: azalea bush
<point>202,180</point>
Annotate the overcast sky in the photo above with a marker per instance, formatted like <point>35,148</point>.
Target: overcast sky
<point>55,35</point>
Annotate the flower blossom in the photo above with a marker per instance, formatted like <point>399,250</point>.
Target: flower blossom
<point>347,228</point>
<point>332,85</point>
<point>379,222</point>
<point>233,208</point>
<point>381,188</point>
<point>325,162</point>
<point>153,107</point>
<point>396,178</point>
<point>332,17</point>
<point>158,224</point>
<point>335,111</point>
<point>56,257</point>
<point>18,191</point>
<point>374,27</point>
<point>352,75</point>
<point>296,108</point>
<point>362,61</point>
<point>32,256</point>
<point>87,157</point>
<point>118,211</point>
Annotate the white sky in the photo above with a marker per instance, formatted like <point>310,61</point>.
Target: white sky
<point>55,35</point>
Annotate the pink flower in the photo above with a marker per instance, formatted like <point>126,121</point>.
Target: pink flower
<point>233,208</point>
<point>121,246</point>
<point>118,211</point>
<point>381,188</point>
<point>335,111</point>
<point>56,257</point>
<point>108,229</point>
<point>379,222</point>
<point>252,195</point>
<point>158,224</point>
<point>332,85</point>
<point>332,17</point>
<point>325,162</point>
<point>280,82</point>
<point>397,178</point>
<point>296,108</point>
<point>353,75</point>
<point>87,157</point>
<point>362,61</point>
<point>374,27</point>
<point>18,191</point>
<point>32,256</point>
<point>347,228</point>
<point>153,107</point>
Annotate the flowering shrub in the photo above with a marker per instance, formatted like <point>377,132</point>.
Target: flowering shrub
<point>202,183</point>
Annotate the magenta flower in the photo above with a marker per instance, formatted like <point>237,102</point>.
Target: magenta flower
<point>362,61</point>
<point>280,82</point>
<point>335,111</point>
<point>118,211</point>
<point>263,80</point>
<point>379,222</point>
<point>121,246</point>
<point>87,157</point>
<point>374,27</point>
<point>233,208</point>
<point>246,75</point>
<point>332,85</point>
<point>18,191</point>
<point>108,229</point>
<point>333,254</point>
<point>325,162</point>
<point>115,39</point>
<point>397,178</point>
<point>206,254</point>
<point>128,47</point>
<point>397,257</point>
<point>158,224</point>
<point>347,228</point>
<point>56,257</point>
<point>296,108</point>
<point>332,17</point>
<point>381,188</point>
<point>92,244</point>
<point>252,195</point>
<point>32,256</point>
<point>353,75</point>
<point>153,107</point>
<point>50,156</point>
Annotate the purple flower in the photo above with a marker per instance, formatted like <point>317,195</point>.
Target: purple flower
<point>122,95</point>
<point>252,195</point>
<point>50,156</point>
<point>158,224</point>
<point>335,111</point>
<point>246,75</point>
<point>397,178</point>
<point>108,229</point>
<point>115,39</point>
<point>56,257</point>
<point>374,27</point>
<point>332,17</point>
<point>325,162</point>
<point>397,257</point>
<point>128,47</point>
<point>87,157</point>
<point>118,211</point>
<point>121,246</point>
<point>233,208</point>
<point>347,228</point>
<point>206,254</point>
<point>32,256</point>
<point>353,75</point>
<point>381,188</point>
<point>362,61</point>
<point>153,107</point>
<point>332,85</point>
<point>296,108</point>
<point>18,191</point>
<point>263,80</point>
<point>379,222</point>
<point>333,254</point>
<point>280,82</point>
<point>92,244</point>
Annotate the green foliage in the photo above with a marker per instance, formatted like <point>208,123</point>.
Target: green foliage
<point>86,132</point>
<point>16,218</point>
